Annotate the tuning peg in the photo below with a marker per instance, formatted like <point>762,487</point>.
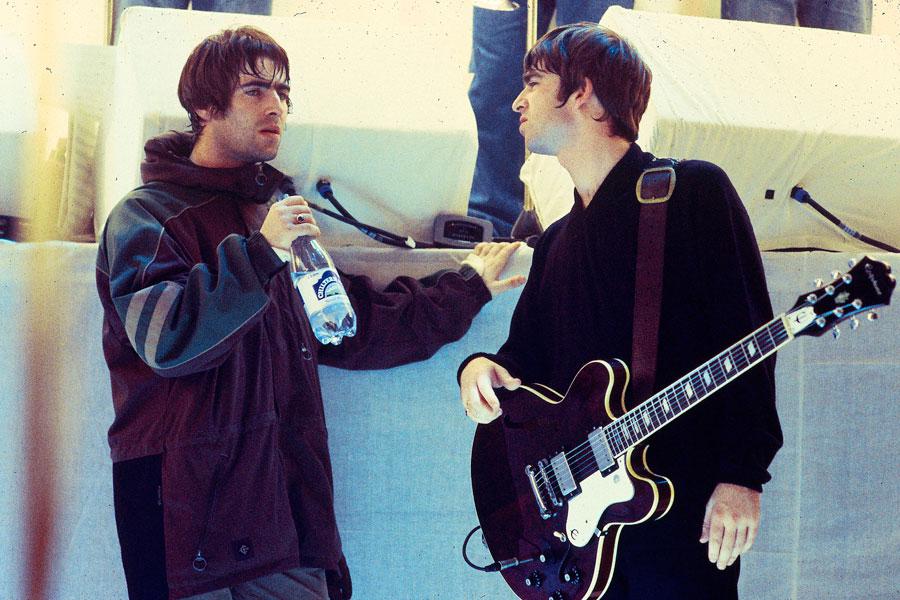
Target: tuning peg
<point>812,298</point>
<point>857,304</point>
<point>829,289</point>
<point>839,312</point>
<point>821,322</point>
<point>818,283</point>
<point>835,274</point>
<point>854,323</point>
<point>851,263</point>
<point>872,316</point>
<point>835,333</point>
<point>847,278</point>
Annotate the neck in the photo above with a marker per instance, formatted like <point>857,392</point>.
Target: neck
<point>590,159</point>
<point>206,154</point>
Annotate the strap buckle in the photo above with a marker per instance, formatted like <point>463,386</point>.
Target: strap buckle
<point>655,185</point>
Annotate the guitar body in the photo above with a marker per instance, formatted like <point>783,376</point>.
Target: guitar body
<point>568,556</point>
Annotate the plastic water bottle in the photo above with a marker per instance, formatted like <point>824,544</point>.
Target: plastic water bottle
<point>324,298</point>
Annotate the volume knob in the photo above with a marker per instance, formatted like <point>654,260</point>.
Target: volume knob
<point>534,579</point>
<point>572,576</point>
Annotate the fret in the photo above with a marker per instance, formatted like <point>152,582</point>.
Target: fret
<point>699,386</point>
<point>717,372</point>
<point>739,355</point>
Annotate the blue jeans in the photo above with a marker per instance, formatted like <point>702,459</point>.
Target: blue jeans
<point>841,15</point>
<point>250,7</point>
<point>498,46</point>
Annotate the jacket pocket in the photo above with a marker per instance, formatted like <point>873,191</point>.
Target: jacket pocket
<point>226,514</point>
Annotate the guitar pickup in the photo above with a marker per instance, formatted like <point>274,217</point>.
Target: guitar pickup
<point>563,472</point>
<point>600,448</point>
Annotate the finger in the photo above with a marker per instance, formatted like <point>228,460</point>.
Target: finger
<point>728,539</point>
<point>704,530</point>
<point>488,401</point>
<point>294,201</point>
<point>501,377</point>
<point>307,229</point>
<point>508,284</point>
<point>480,248</point>
<point>716,531</point>
<point>740,540</point>
<point>751,537</point>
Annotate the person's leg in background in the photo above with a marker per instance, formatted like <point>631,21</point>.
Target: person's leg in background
<point>249,7</point>
<point>498,45</point>
<point>119,6</point>
<point>840,15</point>
<point>779,12</point>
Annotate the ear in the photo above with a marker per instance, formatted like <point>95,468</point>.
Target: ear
<point>586,100</point>
<point>205,114</point>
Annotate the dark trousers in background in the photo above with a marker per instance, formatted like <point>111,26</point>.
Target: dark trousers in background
<point>498,46</point>
<point>841,15</point>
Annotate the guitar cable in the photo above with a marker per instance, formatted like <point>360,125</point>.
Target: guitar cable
<point>803,197</point>
<point>495,566</point>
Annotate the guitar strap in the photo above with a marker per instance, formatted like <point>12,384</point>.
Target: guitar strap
<point>654,188</point>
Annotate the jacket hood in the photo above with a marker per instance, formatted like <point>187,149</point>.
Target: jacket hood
<point>167,160</point>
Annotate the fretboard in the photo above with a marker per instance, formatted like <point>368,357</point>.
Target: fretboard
<point>660,409</point>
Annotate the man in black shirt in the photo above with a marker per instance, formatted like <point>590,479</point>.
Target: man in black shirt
<point>585,92</point>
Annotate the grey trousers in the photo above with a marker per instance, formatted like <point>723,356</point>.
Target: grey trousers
<point>295,584</point>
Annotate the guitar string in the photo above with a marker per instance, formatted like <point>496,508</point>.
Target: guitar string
<point>776,333</point>
<point>583,462</point>
<point>581,459</point>
<point>653,409</point>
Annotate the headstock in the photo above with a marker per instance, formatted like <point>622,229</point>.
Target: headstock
<point>866,286</point>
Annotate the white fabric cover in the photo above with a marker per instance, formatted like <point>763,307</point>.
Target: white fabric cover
<point>381,111</point>
<point>400,447</point>
<point>775,107</point>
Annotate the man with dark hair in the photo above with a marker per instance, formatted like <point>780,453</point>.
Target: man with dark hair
<point>221,473</point>
<point>585,92</point>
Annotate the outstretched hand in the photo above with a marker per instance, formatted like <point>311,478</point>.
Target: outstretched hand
<point>730,523</point>
<point>489,259</point>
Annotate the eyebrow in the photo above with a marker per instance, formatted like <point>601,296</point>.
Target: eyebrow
<point>258,82</point>
<point>531,74</point>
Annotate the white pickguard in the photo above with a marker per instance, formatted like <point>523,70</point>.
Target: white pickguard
<point>597,493</point>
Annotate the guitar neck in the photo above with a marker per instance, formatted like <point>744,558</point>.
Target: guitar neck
<point>660,409</point>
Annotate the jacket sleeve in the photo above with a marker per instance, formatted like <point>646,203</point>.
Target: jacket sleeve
<point>518,354</point>
<point>408,320</point>
<point>749,433</point>
<point>179,317</point>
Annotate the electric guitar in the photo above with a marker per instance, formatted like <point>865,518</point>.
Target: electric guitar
<point>551,518</point>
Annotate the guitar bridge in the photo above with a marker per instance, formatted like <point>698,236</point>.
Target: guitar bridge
<point>544,494</point>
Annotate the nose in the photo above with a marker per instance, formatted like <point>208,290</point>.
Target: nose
<point>275,106</point>
<point>518,104</point>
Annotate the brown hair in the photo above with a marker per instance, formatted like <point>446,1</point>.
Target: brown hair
<point>621,80</point>
<point>212,71</point>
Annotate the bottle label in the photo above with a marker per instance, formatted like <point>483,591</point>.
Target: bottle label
<point>317,287</point>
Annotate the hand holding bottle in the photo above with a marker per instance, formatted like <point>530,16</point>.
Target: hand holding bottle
<point>286,220</point>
